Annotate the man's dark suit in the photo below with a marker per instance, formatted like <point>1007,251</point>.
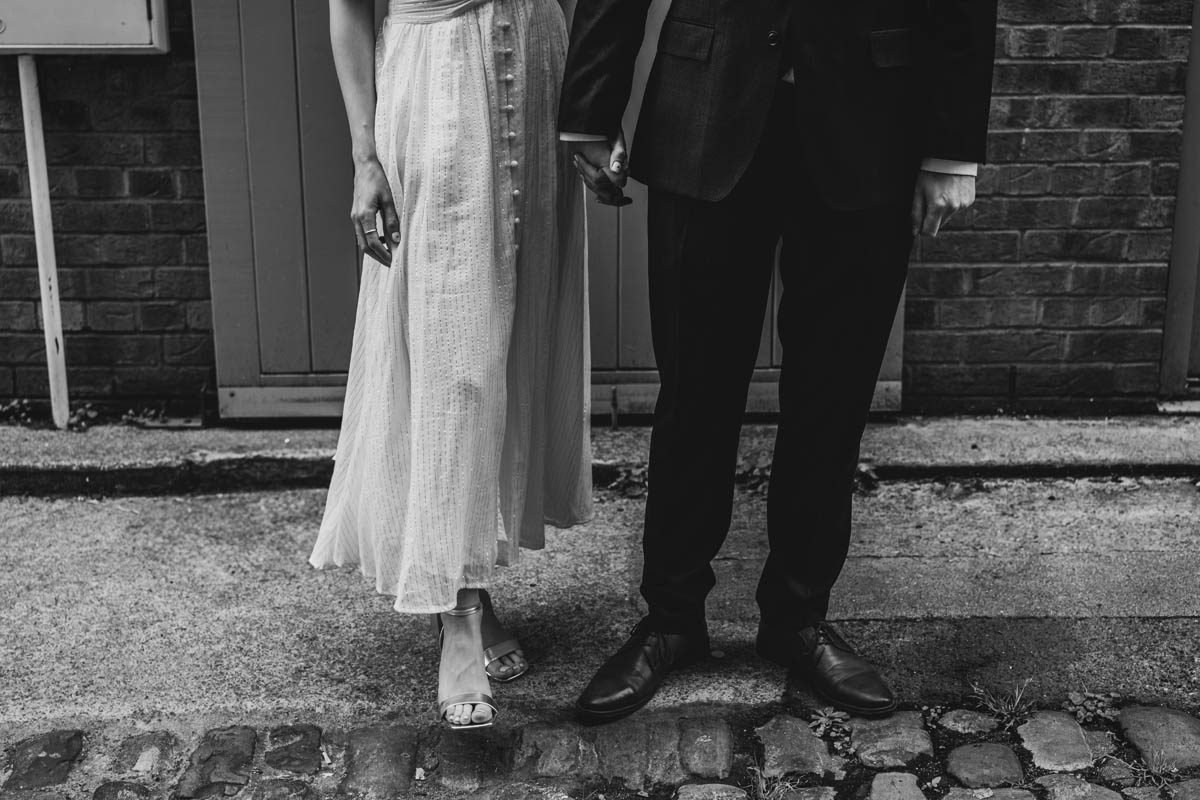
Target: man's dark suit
<point>737,160</point>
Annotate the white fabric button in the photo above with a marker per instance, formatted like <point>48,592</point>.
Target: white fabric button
<point>512,135</point>
<point>509,78</point>
<point>516,220</point>
<point>516,192</point>
<point>513,164</point>
<point>509,109</point>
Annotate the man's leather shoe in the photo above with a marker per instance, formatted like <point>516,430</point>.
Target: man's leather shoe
<point>834,670</point>
<point>633,674</point>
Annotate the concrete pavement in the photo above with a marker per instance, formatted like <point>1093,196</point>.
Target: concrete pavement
<point>191,611</point>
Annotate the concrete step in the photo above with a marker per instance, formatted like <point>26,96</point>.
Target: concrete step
<point>125,459</point>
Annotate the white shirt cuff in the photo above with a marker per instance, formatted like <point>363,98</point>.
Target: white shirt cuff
<point>567,136</point>
<point>950,167</point>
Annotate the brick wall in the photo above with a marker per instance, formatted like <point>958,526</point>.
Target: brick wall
<point>123,145</point>
<point>1049,294</point>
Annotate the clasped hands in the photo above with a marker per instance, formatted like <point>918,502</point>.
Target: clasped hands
<point>937,196</point>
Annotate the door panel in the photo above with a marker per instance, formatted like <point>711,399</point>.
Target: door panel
<point>331,254</point>
<point>276,198</point>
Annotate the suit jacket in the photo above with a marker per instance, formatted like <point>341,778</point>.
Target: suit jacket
<point>880,84</point>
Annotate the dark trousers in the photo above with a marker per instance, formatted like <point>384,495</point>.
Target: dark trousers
<point>711,269</point>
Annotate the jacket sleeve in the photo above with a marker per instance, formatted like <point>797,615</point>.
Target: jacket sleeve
<point>962,40</point>
<point>606,36</point>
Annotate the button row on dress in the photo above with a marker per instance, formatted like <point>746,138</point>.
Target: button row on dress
<point>509,108</point>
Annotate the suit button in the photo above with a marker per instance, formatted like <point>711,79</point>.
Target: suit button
<point>773,38</point>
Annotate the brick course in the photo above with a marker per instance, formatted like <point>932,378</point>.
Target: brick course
<point>123,146</point>
<point>1048,295</point>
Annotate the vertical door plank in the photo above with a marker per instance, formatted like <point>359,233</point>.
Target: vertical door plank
<point>331,254</point>
<point>603,284</point>
<point>276,199</point>
<point>227,191</point>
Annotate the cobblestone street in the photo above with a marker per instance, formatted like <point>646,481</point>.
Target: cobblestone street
<point>176,645</point>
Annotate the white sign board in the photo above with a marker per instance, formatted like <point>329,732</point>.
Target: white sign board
<point>83,26</point>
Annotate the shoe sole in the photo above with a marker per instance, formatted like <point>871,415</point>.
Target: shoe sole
<point>867,713</point>
<point>589,717</point>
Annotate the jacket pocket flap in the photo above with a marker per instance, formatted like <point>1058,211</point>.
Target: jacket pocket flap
<point>894,47</point>
<point>686,39</point>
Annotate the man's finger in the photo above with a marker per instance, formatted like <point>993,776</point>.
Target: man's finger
<point>618,162</point>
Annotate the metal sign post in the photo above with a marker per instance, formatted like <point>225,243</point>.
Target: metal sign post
<point>39,191</point>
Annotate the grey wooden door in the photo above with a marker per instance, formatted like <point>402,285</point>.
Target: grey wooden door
<point>1180,374</point>
<point>282,260</point>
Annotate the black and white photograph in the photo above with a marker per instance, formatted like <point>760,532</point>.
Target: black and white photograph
<point>600,399</point>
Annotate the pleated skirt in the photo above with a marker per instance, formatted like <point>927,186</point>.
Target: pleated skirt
<point>465,427</point>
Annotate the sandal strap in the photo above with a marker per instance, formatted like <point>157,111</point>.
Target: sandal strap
<point>465,611</point>
<point>472,698</point>
<point>500,650</point>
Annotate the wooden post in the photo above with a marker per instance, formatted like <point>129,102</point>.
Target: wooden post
<point>39,191</point>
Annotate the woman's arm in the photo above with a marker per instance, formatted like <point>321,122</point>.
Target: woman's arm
<point>352,36</point>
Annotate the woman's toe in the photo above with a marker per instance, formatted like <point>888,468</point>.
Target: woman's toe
<point>482,714</point>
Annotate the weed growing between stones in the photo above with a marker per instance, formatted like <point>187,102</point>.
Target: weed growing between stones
<point>834,727</point>
<point>1088,706</point>
<point>760,787</point>
<point>1154,769</point>
<point>1010,707</point>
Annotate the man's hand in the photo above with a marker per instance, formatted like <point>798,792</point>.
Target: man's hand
<point>937,197</point>
<point>603,165</point>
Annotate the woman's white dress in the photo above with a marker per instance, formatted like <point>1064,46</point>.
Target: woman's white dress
<point>465,425</point>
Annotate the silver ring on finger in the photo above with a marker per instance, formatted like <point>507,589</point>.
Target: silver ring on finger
<point>369,230</point>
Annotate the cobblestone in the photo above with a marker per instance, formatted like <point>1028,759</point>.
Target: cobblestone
<point>294,748</point>
<point>958,793</point>
<point>1056,742</point>
<point>984,765</point>
<point>467,763</point>
<point>549,750</point>
<point>962,720</point>
<point>810,793</point>
<point>622,751</point>
<point>1116,774</point>
<point>379,761</point>
<point>120,790</point>
<point>1142,793</point>
<point>895,786</point>
<point>1166,731</point>
<point>791,748</point>
<point>705,747</point>
<point>894,741</point>
<point>152,753</point>
<point>283,789</point>
<point>220,764</point>
<point>710,791</point>
<point>1185,790</point>
<point>1072,787</point>
<point>1100,743</point>
<point>44,760</point>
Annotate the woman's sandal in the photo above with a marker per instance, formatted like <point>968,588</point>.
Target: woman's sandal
<point>472,698</point>
<point>497,650</point>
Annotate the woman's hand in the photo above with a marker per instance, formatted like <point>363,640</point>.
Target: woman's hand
<point>372,197</point>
